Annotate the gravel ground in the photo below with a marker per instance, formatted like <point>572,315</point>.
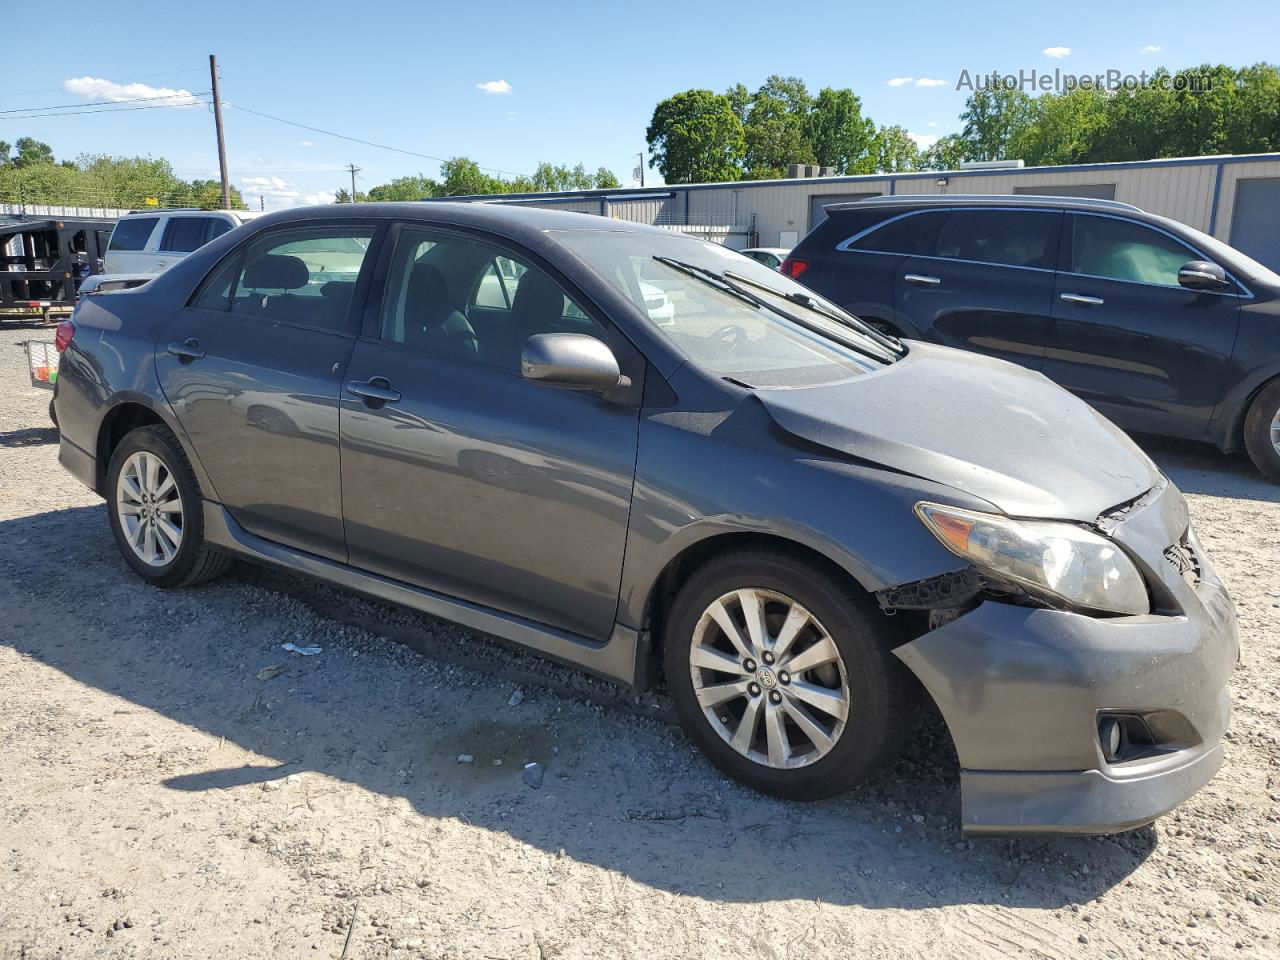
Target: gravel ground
<point>167,796</point>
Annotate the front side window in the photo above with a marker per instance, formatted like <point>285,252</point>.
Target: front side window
<point>1123,250</point>
<point>305,276</point>
<point>472,301</point>
<point>132,233</point>
<point>1012,238</point>
<point>751,332</point>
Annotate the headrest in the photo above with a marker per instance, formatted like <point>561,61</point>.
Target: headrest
<point>426,287</point>
<point>537,297</point>
<point>274,271</point>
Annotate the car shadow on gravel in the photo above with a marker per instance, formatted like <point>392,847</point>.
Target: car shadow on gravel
<point>622,792</point>
<point>29,437</point>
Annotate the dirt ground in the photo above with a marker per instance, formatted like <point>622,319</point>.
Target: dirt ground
<point>161,796</point>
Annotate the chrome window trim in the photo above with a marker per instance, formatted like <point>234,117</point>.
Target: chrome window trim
<point>846,246</point>
<point>979,263</point>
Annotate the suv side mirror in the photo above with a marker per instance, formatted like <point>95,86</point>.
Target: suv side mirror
<point>571,360</point>
<point>1202,275</point>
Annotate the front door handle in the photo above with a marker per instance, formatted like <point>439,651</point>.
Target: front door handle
<point>186,351</point>
<point>375,391</point>
<point>921,279</point>
<point>1081,299</point>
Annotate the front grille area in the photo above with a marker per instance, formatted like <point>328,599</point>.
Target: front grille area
<point>1183,557</point>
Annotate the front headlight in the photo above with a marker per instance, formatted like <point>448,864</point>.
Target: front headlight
<point>1067,562</point>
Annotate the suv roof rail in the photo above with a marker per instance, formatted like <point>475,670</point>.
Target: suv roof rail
<point>169,210</point>
<point>942,199</point>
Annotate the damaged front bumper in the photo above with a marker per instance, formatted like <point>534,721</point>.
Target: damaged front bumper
<point>1023,691</point>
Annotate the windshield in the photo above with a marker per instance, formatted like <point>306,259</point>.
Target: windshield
<point>728,314</point>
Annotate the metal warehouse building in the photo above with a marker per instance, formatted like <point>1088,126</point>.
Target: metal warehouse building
<point>1234,198</point>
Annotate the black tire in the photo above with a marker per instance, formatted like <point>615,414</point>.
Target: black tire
<point>194,561</point>
<point>1257,431</point>
<point>881,699</point>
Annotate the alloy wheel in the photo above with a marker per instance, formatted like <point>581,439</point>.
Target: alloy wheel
<point>769,678</point>
<point>149,508</point>
<point>1275,431</point>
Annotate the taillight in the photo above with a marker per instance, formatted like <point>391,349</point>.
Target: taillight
<point>62,339</point>
<point>793,268</point>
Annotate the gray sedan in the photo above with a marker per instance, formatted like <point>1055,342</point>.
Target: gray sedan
<point>807,528</point>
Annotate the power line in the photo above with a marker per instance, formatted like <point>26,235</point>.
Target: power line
<point>76,113</point>
<point>100,103</point>
<point>367,143</point>
<point>62,89</point>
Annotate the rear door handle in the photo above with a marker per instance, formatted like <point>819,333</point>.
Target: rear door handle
<point>186,351</point>
<point>922,279</point>
<point>375,391</point>
<point>1081,299</point>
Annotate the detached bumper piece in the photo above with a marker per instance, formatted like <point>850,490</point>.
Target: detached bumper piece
<point>1067,723</point>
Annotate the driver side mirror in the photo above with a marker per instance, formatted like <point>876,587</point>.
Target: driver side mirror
<point>574,361</point>
<point>1202,275</point>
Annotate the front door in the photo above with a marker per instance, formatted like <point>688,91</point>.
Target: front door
<point>988,287</point>
<point>1150,354</point>
<point>459,475</point>
<point>253,369</point>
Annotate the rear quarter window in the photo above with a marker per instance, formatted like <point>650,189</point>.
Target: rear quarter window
<point>132,233</point>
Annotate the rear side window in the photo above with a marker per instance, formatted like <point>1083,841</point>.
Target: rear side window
<point>217,227</point>
<point>914,234</point>
<point>185,234</point>
<point>305,276</point>
<point>1124,250</point>
<point>132,233</point>
<point>1013,238</point>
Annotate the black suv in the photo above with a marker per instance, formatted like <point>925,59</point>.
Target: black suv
<point>1161,327</point>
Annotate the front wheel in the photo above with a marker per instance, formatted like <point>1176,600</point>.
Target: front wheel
<point>783,675</point>
<point>1262,431</point>
<point>156,509</point>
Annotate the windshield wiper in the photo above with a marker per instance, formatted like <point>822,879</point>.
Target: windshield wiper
<point>809,303</point>
<point>720,281</point>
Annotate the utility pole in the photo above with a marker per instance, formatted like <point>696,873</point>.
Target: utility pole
<point>641,167</point>
<point>354,170</point>
<point>222,143</point>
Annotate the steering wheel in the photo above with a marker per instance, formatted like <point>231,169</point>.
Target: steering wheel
<point>730,335</point>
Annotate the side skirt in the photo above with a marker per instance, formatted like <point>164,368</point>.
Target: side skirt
<point>615,659</point>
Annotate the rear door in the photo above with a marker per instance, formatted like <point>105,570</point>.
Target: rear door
<point>461,476</point>
<point>253,368</point>
<point>988,285</point>
<point>1149,353</point>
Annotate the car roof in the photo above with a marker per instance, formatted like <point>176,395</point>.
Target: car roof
<point>241,215</point>
<point>986,200</point>
<point>781,250</point>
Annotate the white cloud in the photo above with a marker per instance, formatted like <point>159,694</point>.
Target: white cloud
<point>1057,52</point>
<point>494,86</point>
<point>306,143</point>
<point>930,82</point>
<point>96,88</point>
<point>1152,48</point>
<point>901,81</point>
<point>278,193</point>
<point>933,123</point>
<point>923,141</point>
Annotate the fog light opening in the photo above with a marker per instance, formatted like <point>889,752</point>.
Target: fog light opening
<point>1111,736</point>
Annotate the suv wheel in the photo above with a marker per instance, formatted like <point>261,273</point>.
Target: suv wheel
<point>156,511</point>
<point>1262,431</point>
<point>783,675</point>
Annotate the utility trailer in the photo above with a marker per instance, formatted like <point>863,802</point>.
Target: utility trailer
<point>43,262</point>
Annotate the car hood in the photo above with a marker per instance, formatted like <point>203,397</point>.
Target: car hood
<point>993,429</point>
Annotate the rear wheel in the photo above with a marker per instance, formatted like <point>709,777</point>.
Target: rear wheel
<point>1262,431</point>
<point>783,675</point>
<point>156,511</point>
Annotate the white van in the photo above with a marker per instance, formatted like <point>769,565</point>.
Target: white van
<point>144,242</point>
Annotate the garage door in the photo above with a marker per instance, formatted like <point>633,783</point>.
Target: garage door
<point>1255,220</point>
<point>818,201</point>
<point>1094,191</point>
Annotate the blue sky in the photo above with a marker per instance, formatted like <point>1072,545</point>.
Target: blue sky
<point>576,82</point>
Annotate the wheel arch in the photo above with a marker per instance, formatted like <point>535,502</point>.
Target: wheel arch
<point>1227,431</point>
<point>129,412</point>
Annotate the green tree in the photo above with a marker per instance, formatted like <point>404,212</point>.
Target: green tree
<point>841,136</point>
<point>462,177</point>
<point>775,131</point>
<point>1060,128</point>
<point>405,188</point>
<point>32,152</point>
<point>740,100</point>
<point>5,149</point>
<point>895,151</point>
<point>695,137</point>
<point>992,118</point>
<point>606,180</point>
<point>946,154</point>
